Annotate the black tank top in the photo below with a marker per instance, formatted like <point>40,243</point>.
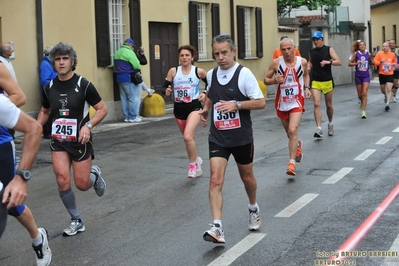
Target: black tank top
<point>230,92</point>
<point>317,55</point>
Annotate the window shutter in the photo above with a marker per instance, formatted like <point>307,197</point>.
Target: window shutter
<point>240,32</point>
<point>215,19</point>
<point>135,21</point>
<point>259,31</point>
<point>193,20</point>
<point>102,33</point>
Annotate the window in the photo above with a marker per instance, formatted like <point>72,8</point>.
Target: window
<point>394,32</point>
<point>201,16</point>
<point>249,38</point>
<point>383,34</point>
<point>202,40</point>
<point>116,26</point>
<point>247,32</point>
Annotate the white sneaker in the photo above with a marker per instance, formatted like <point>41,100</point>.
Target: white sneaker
<point>192,170</point>
<point>215,234</point>
<point>150,92</point>
<point>198,164</point>
<point>75,227</point>
<point>136,120</point>
<point>254,220</point>
<point>43,251</point>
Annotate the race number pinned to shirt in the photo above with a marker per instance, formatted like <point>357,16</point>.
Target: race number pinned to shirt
<point>289,92</point>
<point>364,64</point>
<point>64,129</point>
<point>182,94</point>
<point>386,67</point>
<point>226,121</point>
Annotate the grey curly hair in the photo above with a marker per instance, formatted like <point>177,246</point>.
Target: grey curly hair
<point>63,48</point>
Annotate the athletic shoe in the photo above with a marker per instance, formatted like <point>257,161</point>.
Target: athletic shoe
<point>394,99</point>
<point>387,108</point>
<point>254,220</point>
<point>318,133</point>
<point>126,120</point>
<point>215,234</point>
<point>364,115</point>
<point>99,186</point>
<point>76,226</point>
<point>360,104</point>
<point>385,99</point>
<point>299,155</point>
<point>192,170</point>
<point>198,164</point>
<point>291,169</point>
<point>43,251</point>
<point>331,130</point>
<point>150,92</point>
<point>136,120</point>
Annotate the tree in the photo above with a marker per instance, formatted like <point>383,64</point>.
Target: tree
<point>284,7</point>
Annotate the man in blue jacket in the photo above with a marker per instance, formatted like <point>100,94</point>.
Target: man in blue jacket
<point>46,73</point>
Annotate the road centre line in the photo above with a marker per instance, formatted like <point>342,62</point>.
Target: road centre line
<point>237,250</point>
<point>338,175</point>
<point>297,205</point>
<point>383,140</point>
<point>363,156</point>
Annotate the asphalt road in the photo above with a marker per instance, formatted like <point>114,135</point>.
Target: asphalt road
<point>152,214</point>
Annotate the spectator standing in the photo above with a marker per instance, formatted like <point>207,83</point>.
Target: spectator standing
<point>46,74</point>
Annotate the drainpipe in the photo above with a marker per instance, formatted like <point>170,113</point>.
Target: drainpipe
<point>39,31</point>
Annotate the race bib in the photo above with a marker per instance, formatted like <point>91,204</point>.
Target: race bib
<point>363,66</point>
<point>386,67</point>
<point>64,129</point>
<point>289,92</point>
<point>182,94</point>
<point>226,121</point>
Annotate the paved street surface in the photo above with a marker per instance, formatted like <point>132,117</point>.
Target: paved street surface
<point>152,214</point>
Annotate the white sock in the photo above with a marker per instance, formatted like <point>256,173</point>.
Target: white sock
<point>38,240</point>
<point>253,207</point>
<point>218,222</point>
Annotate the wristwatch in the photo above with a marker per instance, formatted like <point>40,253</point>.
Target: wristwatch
<point>89,125</point>
<point>25,174</point>
<point>239,105</point>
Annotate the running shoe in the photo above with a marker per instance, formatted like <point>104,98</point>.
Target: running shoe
<point>99,186</point>
<point>291,169</point>
<point>254,220</point>
<point>151,92</point>
<point>331,130</point>
<point>387,108</point>
<point>198,170</point>
<point>394,99</point>
<point>385,99</point>
<point>299,154</point>
<point>43,251</point>
<point>192,170</point>
<point>75,227</point>
<point>360,104</point>
<point>136,120</point>
<point>215,234</point>
<point>318,133</point>
<point>364,115</point>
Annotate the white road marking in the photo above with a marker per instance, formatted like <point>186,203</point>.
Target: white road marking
<point>297,205</point>
<point>364,155</point>
<point>392,261</point>
<point>338,175</point>
<point>383,140</point>
<point>239,249</point>
<point>396,130</point>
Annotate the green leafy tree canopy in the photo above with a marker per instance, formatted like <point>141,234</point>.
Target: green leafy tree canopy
<point>285,6</point>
